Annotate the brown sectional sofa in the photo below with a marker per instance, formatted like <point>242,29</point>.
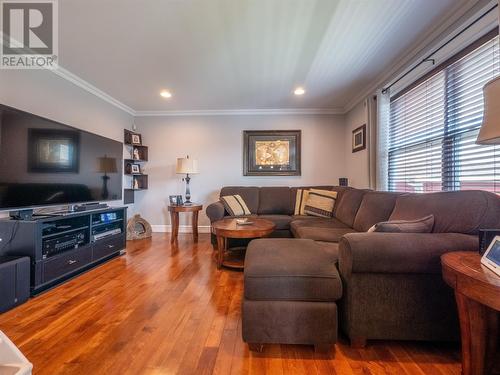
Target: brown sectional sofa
<point>391,282</point>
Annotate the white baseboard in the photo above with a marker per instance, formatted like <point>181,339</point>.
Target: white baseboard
<point>182,228</point>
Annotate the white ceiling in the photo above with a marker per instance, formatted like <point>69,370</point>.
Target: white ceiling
<point>240,54</point>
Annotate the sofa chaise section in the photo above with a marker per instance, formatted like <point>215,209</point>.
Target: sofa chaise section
<point>393,288</point>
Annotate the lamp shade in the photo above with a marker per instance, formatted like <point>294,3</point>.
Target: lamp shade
<point>107,165</point>
<point>490,129</point>
<point>186,165</point>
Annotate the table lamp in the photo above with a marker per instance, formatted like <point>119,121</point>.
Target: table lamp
<point>187,166</point>
<point>490,129</point>
<point>106,165</point>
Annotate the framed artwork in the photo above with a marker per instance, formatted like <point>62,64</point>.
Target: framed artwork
<point>53,150</point>
<point>271,152</point>
<point>136,139</point>
<point>135,168</point>
<point>359,138</point>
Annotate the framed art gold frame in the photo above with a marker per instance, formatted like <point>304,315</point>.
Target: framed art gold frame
<point>271,152</point>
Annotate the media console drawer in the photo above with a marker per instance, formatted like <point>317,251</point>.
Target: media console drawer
<point>108,246</point>
<point>66,263</point>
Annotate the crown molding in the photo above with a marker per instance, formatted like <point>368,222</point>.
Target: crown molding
<point>244,112</point>
<point>419,48</point>
<point>80,82</point>
<point>73,78</point>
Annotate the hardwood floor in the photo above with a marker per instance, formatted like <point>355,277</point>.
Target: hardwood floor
<point>166,309</point>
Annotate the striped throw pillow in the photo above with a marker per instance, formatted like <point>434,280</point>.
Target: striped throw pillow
<point>320,203</point>
<point>235,205</point>
<point>300,201</point>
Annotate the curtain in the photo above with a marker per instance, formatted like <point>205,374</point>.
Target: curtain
<point>378,118</point>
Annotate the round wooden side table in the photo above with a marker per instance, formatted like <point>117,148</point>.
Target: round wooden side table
<point>174,218</point>
<point>228,228</point>
<point>477,292</point>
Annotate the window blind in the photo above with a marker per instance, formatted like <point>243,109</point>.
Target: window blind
<point>434,125</point>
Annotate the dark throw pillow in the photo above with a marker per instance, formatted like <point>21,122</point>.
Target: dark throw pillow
<point>422,225</point>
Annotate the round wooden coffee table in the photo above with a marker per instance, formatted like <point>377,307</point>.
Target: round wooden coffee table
<point>228,228</point>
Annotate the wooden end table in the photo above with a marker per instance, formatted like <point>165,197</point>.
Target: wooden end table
<point>477,292</point>
<point>228,228</point>
<point>174,218</point>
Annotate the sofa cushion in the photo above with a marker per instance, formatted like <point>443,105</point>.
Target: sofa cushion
<point>282,221</point>
<point>375,207</point>
<point>275,200</point>
<point>454,211</point>
<point>328,230</point>
<point>347,205</point>
<point>304,217</point>
<point>250,195</point>
<point>321,234</point>
<point>290,269</point>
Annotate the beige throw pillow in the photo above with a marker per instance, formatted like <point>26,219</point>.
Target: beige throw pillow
<point>300,201</point>
<point>320,203</point>
<point>235,205</point>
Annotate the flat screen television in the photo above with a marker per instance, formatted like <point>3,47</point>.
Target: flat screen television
<point>46,163</point>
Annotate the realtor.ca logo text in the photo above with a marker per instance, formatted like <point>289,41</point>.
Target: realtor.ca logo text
<point>29,34</point>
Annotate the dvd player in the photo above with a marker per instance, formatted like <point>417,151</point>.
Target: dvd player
<point>102,235</point>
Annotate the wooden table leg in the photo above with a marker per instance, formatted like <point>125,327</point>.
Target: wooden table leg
<point>221,248</point>
<point>174,218</point>
<point>473,331</point>
<point>195,226</point>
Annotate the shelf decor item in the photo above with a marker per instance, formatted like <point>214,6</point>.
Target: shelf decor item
<point>271,152</point>
<point>138,228</point>
<point>135,168</point>
<point>187,166</point>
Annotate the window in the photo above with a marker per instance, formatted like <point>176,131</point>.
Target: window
<point>434,124</point>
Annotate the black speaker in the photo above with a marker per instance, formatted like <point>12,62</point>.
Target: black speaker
<point>485,238</point>
<point>15,281</point>
<point>343,181</point>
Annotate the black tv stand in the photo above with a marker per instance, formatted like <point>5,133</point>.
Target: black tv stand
<point>63,246</point>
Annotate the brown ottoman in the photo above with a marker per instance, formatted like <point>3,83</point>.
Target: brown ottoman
<point>291,286</point>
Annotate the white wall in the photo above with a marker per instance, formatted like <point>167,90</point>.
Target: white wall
<point>357,163</point>
<point>217,142</point>
<point>48,95</point>
<point>45,94</point>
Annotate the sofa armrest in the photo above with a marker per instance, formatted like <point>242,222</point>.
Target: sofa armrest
<point>399,252</point>
<point>215,211</point>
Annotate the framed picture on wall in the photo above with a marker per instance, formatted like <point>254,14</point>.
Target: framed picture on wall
<point>135,169</point>
<point>359,138</point>
<point>271,152</point>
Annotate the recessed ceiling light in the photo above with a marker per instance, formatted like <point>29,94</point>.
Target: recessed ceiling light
<point>299,91</point>
<point>165,94</point>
